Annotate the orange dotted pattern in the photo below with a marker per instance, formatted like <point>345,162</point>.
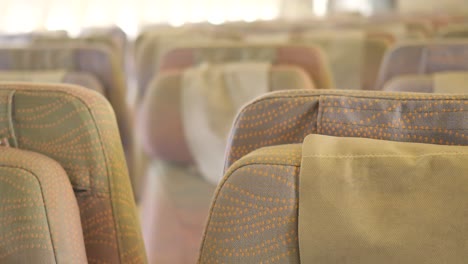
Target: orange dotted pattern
<point>94,59</point>
<point>253,217</point>
<point>77,128</point>
<point>288,117</point>
<point>39,216</point>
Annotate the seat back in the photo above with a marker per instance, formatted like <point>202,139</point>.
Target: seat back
<point>152,46</point>
<point>354,57</point>
<point>311,59</point>
<point>424,58</point>
<point>254,215</point>
<point>91,59</point>
<point>163,105</point>
<point>39,213</point>
<point>76,127</point>
<point>444,82</point>
<point>78,78</point>
<point>184,171</point>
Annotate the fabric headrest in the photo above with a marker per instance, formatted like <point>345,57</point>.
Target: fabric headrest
<point>160,126</point>
<point>424,58</point>
<point>311,59</point>
<point>378,115</point>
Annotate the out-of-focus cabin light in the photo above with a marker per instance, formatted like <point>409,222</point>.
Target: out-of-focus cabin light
<point>196,15</point>
<point>268,14</point>
<point>127,21</point>
<point>235,14</point>
<point>21,18</point>
<point>176,21</point>
<point>361,6</point>
<point>250,16</point>
<point>216,19</point>
<point>96,16</point>
<point>320,7</point>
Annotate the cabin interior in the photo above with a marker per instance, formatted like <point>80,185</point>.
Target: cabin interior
<point>233,131</point>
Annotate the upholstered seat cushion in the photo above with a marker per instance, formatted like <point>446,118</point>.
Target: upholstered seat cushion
<point>77,128</point>
<point>39,214</point>
<point>255,211</point>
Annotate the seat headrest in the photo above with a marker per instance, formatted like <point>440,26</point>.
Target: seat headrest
<point>264,156</point>
<point>424,58</point>
<point>93,59</point>
<point>391,116</point>
<point>78,78</point>
<point>40,215</point>
<point>160,122</point>
<point>443,82</point>
<point>311,59</point>
<point>77,128</point>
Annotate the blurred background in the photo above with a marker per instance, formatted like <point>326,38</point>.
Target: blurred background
<point>132,15</point>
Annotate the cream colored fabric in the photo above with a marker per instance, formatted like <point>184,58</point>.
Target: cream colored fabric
<point>36,76</point>
<point>345,53</point>
<point>211,96</point>
<point>451,82</point>
<point>373,201</point>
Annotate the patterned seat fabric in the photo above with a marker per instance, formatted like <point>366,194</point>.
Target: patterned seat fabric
<point>250,223</point>
<point>176,200</point>
<point>40,220</point>
<point>76,127</point>
<point>311,59</point>
<point>423,58</point>
<point>91,59</point>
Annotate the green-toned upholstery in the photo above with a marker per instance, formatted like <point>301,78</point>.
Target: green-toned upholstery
<point>254,215</point>
<point>77,128</point>
<point>39,216</point>
<point>95,59</point>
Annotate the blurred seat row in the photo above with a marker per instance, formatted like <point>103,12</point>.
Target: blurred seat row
<point>238,143</point>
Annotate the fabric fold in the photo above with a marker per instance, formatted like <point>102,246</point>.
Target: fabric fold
<point>375,201</point>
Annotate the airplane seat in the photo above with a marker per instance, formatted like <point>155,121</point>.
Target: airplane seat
<point>151,46</point>
<point>443,82</point>
<point>83,79</point>
<point>76,127</point>
<point>423,58</point>
<point>307,180</point>
<point>353,54</point>
<point>94,59</point>
<point>311,59</point>
<point>183,125</point>
<point>39,212</point>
